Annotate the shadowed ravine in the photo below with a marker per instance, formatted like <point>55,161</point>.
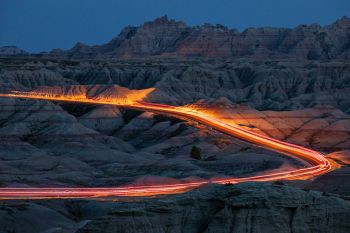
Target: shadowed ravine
<point>319,164</point>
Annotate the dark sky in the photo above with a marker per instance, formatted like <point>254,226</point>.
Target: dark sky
<point>38,25</point>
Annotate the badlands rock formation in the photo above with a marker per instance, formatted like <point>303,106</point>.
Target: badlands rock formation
<point>45,143</point>
<point>262,84</point>
<point>63,145</point>
<point>169,38</point>
<point>121,137</point>
<point>240,208</point>
<point>323,128</point>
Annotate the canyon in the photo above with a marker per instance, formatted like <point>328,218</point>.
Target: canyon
<point>289,84</point>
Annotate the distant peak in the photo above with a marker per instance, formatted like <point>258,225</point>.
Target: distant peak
<point>345,18</point>
<point>164,20</point>
<point>343,21</point>
<point>79,45</point>
<point>11,50</point>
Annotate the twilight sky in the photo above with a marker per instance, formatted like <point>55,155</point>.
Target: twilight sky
<point>41,25</point>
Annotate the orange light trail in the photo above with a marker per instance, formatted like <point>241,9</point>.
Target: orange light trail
<point>319,164</point>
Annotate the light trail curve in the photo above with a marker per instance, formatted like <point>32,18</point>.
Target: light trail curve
<point>319,164</point>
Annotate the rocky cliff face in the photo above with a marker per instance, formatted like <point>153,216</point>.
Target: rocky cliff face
<point>169,38</point>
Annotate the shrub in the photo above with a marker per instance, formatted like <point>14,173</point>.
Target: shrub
<point>196,153</point>
<point>278,182</point>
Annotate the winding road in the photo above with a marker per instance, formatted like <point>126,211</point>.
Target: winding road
<point>319,164</point>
